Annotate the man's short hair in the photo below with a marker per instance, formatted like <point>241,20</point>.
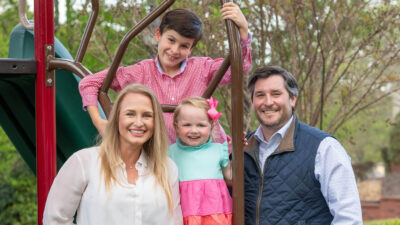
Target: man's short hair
<point>264,72</point>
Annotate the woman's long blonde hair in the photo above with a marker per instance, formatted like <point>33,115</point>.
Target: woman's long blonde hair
<point>156,148</point>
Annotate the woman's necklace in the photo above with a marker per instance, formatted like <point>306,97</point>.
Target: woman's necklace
<point>131,166</point>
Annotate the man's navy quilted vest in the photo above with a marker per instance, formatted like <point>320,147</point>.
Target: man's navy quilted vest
<point>290,192</point>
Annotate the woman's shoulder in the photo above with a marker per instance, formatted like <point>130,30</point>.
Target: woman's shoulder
<point>172,166</point>
<point>87,154</point>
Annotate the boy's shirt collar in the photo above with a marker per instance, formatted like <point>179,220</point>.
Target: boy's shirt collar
<point>183,65</point>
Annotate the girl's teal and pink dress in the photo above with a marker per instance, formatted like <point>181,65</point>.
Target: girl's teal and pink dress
<point>205,199</point>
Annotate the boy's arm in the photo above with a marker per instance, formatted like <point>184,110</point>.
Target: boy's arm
<point>97,121</point>
<point>232,11</point>
<point>90,85</point>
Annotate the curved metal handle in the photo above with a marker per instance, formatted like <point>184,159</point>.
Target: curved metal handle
<point>237,121</point>
<point>218,76</point>
<point>105,102</point>
<point>22,15</point>
<point>88,31</point>
<point>76,66</point>
<point>69,65</point>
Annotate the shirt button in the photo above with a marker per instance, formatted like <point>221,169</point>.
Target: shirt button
<point>173,99</point>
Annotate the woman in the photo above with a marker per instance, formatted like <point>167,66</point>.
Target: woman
<point>128,179</point>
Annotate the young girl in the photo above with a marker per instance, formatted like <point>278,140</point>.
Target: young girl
<point>202,165</point>
<point>172,75</point>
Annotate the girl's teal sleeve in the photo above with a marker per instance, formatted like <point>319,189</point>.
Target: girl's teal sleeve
<point>224,154</point>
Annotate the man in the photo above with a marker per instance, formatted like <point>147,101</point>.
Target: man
<point>294,173</point>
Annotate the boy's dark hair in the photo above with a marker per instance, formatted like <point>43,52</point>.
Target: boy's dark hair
<point>184,22</point>
<point>264,72</point>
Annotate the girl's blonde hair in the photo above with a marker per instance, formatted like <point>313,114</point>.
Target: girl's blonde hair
<point>156,148</point>
<point>197,102</point>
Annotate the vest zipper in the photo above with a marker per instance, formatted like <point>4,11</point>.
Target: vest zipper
<point>260,188</point>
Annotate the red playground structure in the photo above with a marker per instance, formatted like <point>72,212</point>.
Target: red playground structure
<point>43,68</point>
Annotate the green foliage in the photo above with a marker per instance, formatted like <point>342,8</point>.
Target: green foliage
<point>17,183</point>
<point>384,222</point>
<point>113,22</point>
<point>9,19</point>
<point>17,187</point>
<point>365,135</point>
<point>4,42</point>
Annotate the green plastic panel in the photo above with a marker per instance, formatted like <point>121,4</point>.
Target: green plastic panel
<point>74,128</point>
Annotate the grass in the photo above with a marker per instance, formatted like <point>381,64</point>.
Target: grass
<point>383,222</point>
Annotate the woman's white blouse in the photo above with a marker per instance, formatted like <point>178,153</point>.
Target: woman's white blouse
<point>78,187</point>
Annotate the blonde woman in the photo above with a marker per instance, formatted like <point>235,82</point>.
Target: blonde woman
<point>128,179</point>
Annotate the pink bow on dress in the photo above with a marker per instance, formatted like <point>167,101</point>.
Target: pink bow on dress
<point>212,112</point>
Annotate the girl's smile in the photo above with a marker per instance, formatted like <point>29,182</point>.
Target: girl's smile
<point>193,127</point>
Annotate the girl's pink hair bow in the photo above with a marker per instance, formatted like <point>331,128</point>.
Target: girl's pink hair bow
<point>212,112</point>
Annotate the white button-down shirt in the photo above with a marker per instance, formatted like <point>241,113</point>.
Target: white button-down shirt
<point>333,170</point>
<point>80,187</point>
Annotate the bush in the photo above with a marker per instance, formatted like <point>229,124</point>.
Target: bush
<point>17,187</point>
<point>384,222</point>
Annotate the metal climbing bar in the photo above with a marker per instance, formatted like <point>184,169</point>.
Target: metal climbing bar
<point>22,15</point>
<point>88,32</point>
<point>103,97</point>
<point>237,121</point>
<point>66,64</point>
<point>76,66</point>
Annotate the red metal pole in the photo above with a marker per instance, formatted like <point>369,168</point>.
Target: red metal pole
<point>45,105</point>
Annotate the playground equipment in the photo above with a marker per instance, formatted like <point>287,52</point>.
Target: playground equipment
<point>17,108</point>
<point>74,129</point>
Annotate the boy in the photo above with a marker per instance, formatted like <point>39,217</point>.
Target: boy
<point>172,75</point>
